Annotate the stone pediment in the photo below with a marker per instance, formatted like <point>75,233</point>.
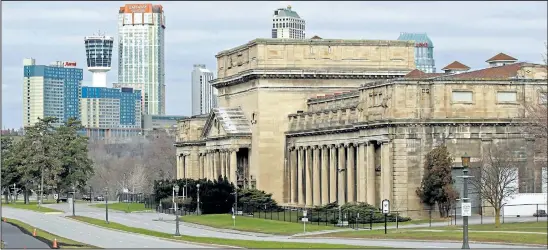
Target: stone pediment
<point>226,122</point>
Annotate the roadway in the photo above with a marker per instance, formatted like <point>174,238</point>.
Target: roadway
<point>14,238</point>
<point>89,234</point>
<point>152,221</point>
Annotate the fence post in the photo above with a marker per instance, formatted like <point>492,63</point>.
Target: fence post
<point>371,220</point>
<point>481,215</point>
<point>429,216</point>
<point>455,215</point>
<point>270,213</point>
<point>502,214</point>
<point>537,213</point>
<point>397,220</point>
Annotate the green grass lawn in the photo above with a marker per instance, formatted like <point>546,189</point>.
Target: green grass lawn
<point>61,242</point>
<point>31,206</point>
<point>126,207</point>
<point>540,227</point>
<point>454,233</point>
<point>251,224</point>
<point>214,241</point>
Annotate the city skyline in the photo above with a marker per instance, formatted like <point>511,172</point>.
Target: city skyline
<point>516,29</point>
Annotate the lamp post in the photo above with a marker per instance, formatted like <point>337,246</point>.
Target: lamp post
<point>73,198</point>
<point>466,206</point>
<point>198,212</point>
<point>106,204</point>
<point>176,191</point>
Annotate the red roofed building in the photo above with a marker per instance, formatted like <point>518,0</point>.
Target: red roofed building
<point>455,68</point>
<point>501,59</point>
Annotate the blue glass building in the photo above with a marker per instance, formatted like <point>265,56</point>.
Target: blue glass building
<point>50,91</point>
<point>424,51</point>
<point>102,107</point>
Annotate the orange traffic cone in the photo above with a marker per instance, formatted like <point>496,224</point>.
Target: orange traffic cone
<point>54,243</point>
<point>34,233</point>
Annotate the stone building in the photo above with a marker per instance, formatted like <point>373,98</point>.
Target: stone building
<point>319,121</point>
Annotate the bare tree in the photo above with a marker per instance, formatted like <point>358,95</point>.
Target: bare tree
<point>133,164</point>
<point>496,179</point>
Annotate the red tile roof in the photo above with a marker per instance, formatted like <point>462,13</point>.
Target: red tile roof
<point>420,74</point>
<point>456,65</point>
<point>501,72</point>
<point>501,57</point>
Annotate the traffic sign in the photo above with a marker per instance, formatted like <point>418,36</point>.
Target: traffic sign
<point>304,213</point>
<point>385,206</point>
<point>466,209</point>
<point>304,219</point>
<point>56,196</point>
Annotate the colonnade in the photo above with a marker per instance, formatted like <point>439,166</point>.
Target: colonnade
<point>217,162</point>
<point>322,174</point>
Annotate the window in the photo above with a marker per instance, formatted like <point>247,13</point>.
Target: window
<point>462,96</point>
<point>542,98</point>
<point>506,96</point>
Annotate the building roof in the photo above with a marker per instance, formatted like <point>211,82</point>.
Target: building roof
<point>416,74</point>
<point>508,71</point>
<point>456,65</point>
<point>501,57</point>
<point>316,37</point>
<point>232,120</point>
<point>417,37</point>
<point>287,12</point>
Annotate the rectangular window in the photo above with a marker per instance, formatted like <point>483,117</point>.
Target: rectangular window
<point>462,96</point>
<point>542,98</point>
<point>507,96</point>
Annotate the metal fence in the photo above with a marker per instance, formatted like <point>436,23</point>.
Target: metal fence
<point>371,218</point>
<point>132,198</point>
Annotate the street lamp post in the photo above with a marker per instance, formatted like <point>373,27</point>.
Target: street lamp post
<point>465,201</point>
<point>176,191</point>
<point>73,200</point>
<point>106,204</point>
<point>198,212</point>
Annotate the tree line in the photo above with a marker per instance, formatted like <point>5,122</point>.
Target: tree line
<point>54,156</point>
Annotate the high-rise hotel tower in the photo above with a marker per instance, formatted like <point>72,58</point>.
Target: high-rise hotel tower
<point>286,23</point>
<point>99,57</point>
<point>204,96</point>
<point>141,53</point>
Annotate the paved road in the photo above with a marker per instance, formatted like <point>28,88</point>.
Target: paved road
<point>14,238</point>
<point>88,234</point>
<point>150,221</point>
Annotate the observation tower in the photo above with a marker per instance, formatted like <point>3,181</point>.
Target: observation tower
<point>99,57</point>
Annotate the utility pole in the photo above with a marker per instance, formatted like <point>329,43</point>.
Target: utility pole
<point>466,206</point>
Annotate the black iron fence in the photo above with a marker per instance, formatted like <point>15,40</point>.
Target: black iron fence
<point>132,198</point>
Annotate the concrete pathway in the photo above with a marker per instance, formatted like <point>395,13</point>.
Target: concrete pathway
<point>151,221</point>
<point>88,234</point>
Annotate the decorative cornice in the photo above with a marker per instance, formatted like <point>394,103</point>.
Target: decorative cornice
<point>189,143</point>
<point>252,74</point>
<point>404,123</point>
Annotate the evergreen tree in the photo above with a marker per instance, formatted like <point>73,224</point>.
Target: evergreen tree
<point>437,181</point>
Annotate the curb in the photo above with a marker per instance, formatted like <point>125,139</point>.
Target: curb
<point>232,231</point>
<point>54,213</point>
<point>446,241</point>
<point>160,238</point>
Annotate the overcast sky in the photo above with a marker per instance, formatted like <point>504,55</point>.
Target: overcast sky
<point>469,32</point>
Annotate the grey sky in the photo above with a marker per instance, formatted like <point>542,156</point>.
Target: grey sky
<point>469,32</point>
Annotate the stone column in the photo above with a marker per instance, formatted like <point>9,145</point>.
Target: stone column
<point>185,167</point>
<point>360,172</point>
<point>233,166</point>
<point>300,176</point>
<point>224,164</point>
<point>351,174</point>
<point>293,176</point>
<point>200,161</point>
<point>308,176</point>
<point>341,175</point>
<point>333,165</point>
<point>210,165</point>
<point>370,174</point>
<point>316,177</point>
<point>325,175</point>
<point>206,164</point>
<point>178,169</point>
<point>387,174</point>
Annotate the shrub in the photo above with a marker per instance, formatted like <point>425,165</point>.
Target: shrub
<point>352,212</point>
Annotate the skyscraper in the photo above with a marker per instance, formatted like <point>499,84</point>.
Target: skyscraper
<point>99,57</point>
<point>424,51</point>
<point>50,91</point>
<point>141,52</point>
<point>204,96</point>
<point>286,23</point>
